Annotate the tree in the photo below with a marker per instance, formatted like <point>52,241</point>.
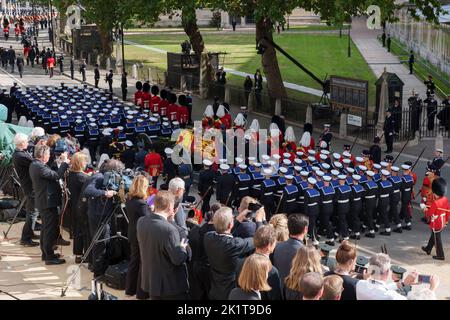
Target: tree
<point>268,12</point>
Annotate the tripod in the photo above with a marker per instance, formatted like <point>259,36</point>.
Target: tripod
<point>96,239</point>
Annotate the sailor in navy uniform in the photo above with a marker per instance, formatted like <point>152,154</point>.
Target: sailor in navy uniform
<point>319,178</point>
<point>370,201</point>
<point>438,160</point>
<point>326,168</point>
<point>312,208</point>
<point>244,184</point>
<point>326,209</point>
<point>287,164</point>
<point>280,182</point>
<point>257,179</point>
<point>356,207</point>
<point>334,177</point>
<point>238,162</point>
<point>290,195</point>
<point>169,167</point>
<point>349,172</point>
<point>343,194</point>
<point>225,184</point>
<point>377,172</point>
<point>386,189</point>
<point>338,166</point>
<point>93,139</point>
<point>395,198</point>
<point>206,185</point>
<point>347,163</point>
<point>406,195</point>
<point>302,187</point>
<point>268,187</point>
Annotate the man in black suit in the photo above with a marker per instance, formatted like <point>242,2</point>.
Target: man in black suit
<point>225,252</point>
<point>96,75</point>
<point>285,251</point>
<point>47,199</point>
<point>163,255</point>
<point>21,161</point>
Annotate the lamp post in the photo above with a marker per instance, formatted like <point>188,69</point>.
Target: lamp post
<point>349,41</point>
<point>123,47</point>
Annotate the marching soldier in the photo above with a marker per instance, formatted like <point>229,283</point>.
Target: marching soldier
<point>280,183</point>
<point>170,169</point>
<point>438,214</point>
<point>326,209</point>
<point>386,188</point>
<point>356,206</point>
<point>343,194</point>
<point>394,198</point>
<point>312,209</point>
<point>206,184</point>
<point>257,179</point>
<point>244,183</point>
<point>326,136</point>
<point>406,194</point>
<point>377,172</point>
<point>302,186</point>
<point>426,192</point>
<point>290,195</point>
<point>370,199</point>
<point>268,187</point>
<point>225,185</point>
<point>438,160</point>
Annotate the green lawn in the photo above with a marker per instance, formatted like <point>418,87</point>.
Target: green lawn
<point>322,54</point>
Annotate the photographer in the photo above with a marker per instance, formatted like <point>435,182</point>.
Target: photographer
<point>245,226</point>
<point>136,207</point>
<point>100,206</point>
<point>75,181</point>
<point>45,183</point>
<point>225,252</point>
<point>22,161</point>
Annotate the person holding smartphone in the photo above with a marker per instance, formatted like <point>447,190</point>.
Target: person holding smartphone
<point>246,226</point>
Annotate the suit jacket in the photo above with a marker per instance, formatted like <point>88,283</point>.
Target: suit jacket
<point>22,161</point>
<point>164,271</point>
<point>136,208</point>
<point>224,255</point>
<point>44,180</point>
<point>283,255</point>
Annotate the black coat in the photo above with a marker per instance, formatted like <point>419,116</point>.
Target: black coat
<point>206,180</point>
<point>135,208</point>
<point>45,184</point>
<point>375,153</point>
<point>22,161</point>
<point>224,187</point>
<point>11,56</point>
<point>98,205</point>
<point>75,181</point>
<point>164,271</point>
<point>224,255</point>
<point>239,294</point>
<point>349,285</point>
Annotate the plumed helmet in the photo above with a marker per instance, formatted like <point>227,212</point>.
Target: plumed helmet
<point>155,90</point>
<point>439,187</point>
<point>139,85</point>
<point>163,94</point>
<point>146,87</point>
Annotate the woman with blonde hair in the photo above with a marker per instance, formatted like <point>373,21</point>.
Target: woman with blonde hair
<point>75,181</point>
<point>307,259</point>
<point>252,279</point>
<point>279,223</point>
<point>136,207</point>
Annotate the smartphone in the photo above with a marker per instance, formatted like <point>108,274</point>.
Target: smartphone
<point>424,278</point>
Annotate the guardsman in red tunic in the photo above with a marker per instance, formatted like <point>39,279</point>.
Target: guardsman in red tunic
<point>208,117</point>
<point>146,96</point>
<point>289,139</point>
<point>153,165</point>
<point>306,143</point>
<point>164,104</point>
<point>138,94</point>
<point>156,100</point>
<point>438,213</point>
<point>426,191</point>
<point>223,120</point>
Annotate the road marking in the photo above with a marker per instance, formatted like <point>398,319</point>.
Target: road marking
<point>12,77</point>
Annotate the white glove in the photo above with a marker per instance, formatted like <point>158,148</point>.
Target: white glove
<point>423,206</point>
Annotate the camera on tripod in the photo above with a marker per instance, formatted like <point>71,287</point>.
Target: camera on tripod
<point>114,180</point>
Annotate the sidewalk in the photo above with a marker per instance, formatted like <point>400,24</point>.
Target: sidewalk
<point>378,58</point>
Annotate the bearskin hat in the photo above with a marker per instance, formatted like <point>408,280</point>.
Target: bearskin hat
<point>182,100</point>
<point>163,94</point>
<point>146,87</point>
<point>139,85</point>
<point>439,187</point>
<point>155,90</point>
<point>173,98</point>
<point>308,128</point>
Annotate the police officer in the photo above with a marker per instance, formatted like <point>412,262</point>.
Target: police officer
<point>343,194</point>
<point>206,184</point>
<point>225,184</point>
<point>312,208</point>
<point>395,198</point>
<point>356,207</point>
<point>328,194</point>
<point>290,195</point>
<point>386,188</point>
<point>388,128</point>
<point>370,200</point>
<point>268,188</point>
<point>406,194</point>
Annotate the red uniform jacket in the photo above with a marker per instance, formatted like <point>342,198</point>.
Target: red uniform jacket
<point>207,122</point>
<point>426,191</point>
<point>156,100</point>
<point>26,51</point>
<point>182,114</point>
<point>163,105</point>
<point>138,98</point>
<point>146,97</point>
<point>172,112</point>
<point>438,214</point>
<point>17,31</point>
<point>153,164</point>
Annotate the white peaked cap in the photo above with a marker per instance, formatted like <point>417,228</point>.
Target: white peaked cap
<point>242,166</point>
<point>405,167</point>
<point>356,177</point>
<point>128,143</point>
<point>239,160</point>
<point>334,172</point>
<point>267,171</point>
<point>395,169</point>
<point>207,162</point>
<point>370,173</point>
<point>283,170</point>
<point>209,111</point>
<point>276,156</point>
<point>287,162</point>
<point>265,157</point>
<point>312,181</point>
<point>385,172</point>
<point>224,167</point>
<point>327,178</point>
<point>304,173</point>
<point>346,154</point>
<point>286,155</point>
<point>289,135</point>
<point>384,164</point>
<point>362,168</point>
<point>240,120</point>
<point>220,111</point>
<point>168,151</point>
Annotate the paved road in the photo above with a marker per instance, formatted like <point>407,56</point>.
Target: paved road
<point>24,275</point>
